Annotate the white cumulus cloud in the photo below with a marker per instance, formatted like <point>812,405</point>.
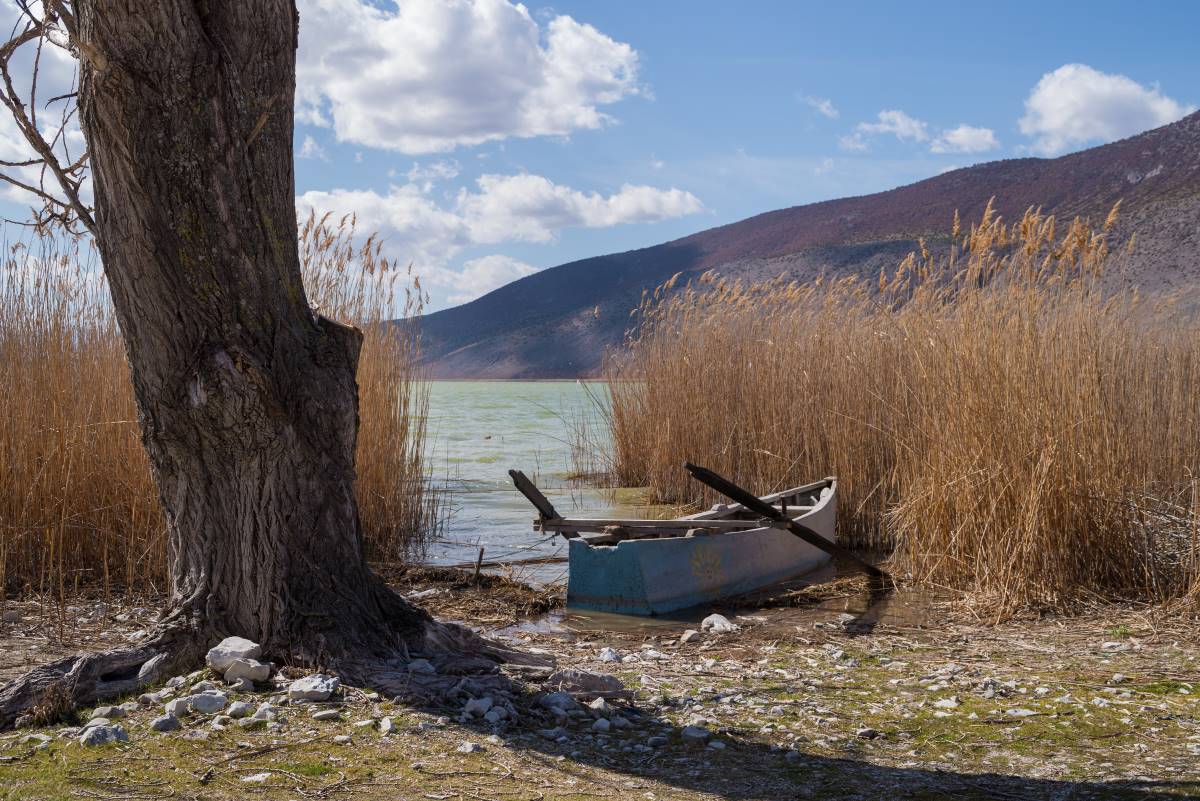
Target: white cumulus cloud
<point>416,228</point>
<point>482,275</point>
<point>433,75</point>
<point>965,139</point>
<point>1077,105</point>
<point>532,208</point>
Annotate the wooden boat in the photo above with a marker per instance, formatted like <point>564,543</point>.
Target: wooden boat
<point>648,567</point>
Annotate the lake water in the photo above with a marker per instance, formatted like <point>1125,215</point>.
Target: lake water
<point>479,430</point>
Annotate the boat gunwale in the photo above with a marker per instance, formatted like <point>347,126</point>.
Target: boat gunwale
<point>717,515</point>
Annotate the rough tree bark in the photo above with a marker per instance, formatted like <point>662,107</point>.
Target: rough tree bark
<point>247,399</point>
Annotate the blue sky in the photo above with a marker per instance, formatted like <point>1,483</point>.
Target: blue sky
<point>485,140</point>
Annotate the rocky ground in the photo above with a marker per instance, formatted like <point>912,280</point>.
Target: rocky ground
<point>779,702</point>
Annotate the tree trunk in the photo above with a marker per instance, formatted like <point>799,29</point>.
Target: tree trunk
<point>247,399</point>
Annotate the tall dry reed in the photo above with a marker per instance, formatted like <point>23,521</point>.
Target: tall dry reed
<point>78,507</point>
<point>999,415</point>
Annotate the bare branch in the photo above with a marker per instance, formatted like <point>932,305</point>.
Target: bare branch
<point>61,210</point>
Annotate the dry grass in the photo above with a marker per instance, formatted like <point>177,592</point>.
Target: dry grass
<point>998,415</point>
<point>78,507</point>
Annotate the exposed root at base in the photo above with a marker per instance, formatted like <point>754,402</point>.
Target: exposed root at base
<point>465,664</point>
<point>52,692</point>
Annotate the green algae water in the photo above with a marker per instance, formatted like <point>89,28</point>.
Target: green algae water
<point>479,430</point>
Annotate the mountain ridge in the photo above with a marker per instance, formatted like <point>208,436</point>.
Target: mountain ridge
<point>557,322</point>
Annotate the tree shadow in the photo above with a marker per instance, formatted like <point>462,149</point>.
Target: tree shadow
<point>746,768</point>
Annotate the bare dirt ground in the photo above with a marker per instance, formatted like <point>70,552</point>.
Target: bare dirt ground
<point>808,698</point>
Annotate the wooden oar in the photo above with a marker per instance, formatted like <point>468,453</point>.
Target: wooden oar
<point>540,502</point>
<point>754,504</point>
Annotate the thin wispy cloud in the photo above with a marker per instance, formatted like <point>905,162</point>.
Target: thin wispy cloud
<point>821,105</point>
<point>890,121</point>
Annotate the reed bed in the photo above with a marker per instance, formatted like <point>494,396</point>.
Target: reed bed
<point>78,507</point>
<point>1003,416</point>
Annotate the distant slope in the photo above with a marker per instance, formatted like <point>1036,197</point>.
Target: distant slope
<point>556,323</point>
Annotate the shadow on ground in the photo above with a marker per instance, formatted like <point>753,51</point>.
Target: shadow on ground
<point>749,769</point>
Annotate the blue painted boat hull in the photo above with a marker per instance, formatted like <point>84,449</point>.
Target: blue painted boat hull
<point>655,576</point>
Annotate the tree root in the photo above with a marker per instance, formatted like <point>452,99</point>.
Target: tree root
<point>50,693</point>
<point>466,665</point>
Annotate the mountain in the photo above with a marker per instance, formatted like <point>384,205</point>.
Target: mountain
<point>556,323</point>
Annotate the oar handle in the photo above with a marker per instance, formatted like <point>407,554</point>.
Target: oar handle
<point>760,507</point>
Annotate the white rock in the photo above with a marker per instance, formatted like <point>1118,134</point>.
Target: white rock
<point>221,655</point>
<point>36,739</point>
<point>947,703</point>
<point>341,739</point>
<point>609,655</point>
<point>421,666</point>
<point>265,711</point>
<point>559,703</point>
<point>495,715</point>
<point>209,702</point>
<point>166,723</point>
<point>469,748</point>
<point>103,735</point>
<point>245,668</point>
<point>240,709</point>
<point>386,726</point>
<point>1021,713</point>
<point>327,714</point>
<point>317,687</point>
<point>600,708</point>
<point>477,707</point>
<point>111,712</point>
<point>691,635</point>
<point>176,681</point>
<point>718,624</point>
<point>584,683</point>
<point>694,735</point>
<point>242,686</point>
<point>178,707</point>
<point>252,722</point>
<point>203,687</point>
<point>256,778</point>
